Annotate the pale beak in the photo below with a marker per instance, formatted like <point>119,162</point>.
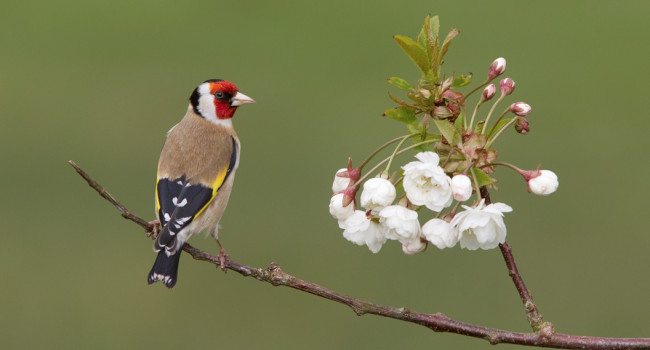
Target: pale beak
<point>240,99</point>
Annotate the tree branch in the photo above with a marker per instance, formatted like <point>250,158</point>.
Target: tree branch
<point>438,322</point>
<point>534,317</point>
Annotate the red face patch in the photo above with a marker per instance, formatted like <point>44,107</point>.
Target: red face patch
<point>223,108</point>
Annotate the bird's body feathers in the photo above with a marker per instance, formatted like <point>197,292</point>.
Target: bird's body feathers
<point>196,172</point>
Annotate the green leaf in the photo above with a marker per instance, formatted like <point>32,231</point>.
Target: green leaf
<point>479,126</point>
<point>416,53</point>
<point>460,123</point>
<point>402,114</point>
<point>422,37</point>
<point>400,83</point>
<point>448,130</point>
<point>445,45</point>
<point>428,40</point>
<point>482,178</point>
<point>414,128</point>
<point>422,148</point>
<point>434,29</point>
<point>461,81</point>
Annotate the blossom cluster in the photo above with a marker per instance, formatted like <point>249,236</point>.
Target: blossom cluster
<point>454,161</point>
<point>425,184</point>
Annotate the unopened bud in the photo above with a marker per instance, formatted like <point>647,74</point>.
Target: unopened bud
<point>488,92</point>
<point>541,182</point>
<point>461,187</point>
<point>520,108</point>
<point>507,86</point>
<point>341,180</point>
<point>522,126</point>
<point>497,68</point>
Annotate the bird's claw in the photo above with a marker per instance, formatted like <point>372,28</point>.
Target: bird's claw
<point>155,224</point>
<point>223,257</point>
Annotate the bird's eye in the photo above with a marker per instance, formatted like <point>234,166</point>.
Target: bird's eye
<point>219,94</point>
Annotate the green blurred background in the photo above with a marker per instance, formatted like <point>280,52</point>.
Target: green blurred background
<point>100,82</point>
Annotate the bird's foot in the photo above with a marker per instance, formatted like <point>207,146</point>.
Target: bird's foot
<point>223,257</point>
<point>155,224</point>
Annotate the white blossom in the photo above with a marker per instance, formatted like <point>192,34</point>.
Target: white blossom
<point>340,182</point>
<point>461,187</point>
<point>360,230</point>
<point>543,184</point>
<point>482,226</point>
<point>377,193</point>
<point>413,246</point>
<point>425,183</point>
<point>440,233</point>
<point>401,224</point>
<point>338,211</point>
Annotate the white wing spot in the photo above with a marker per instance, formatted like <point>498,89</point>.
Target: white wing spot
<point>179,204</point>
<point>181,221</point>
<point>167,217</point>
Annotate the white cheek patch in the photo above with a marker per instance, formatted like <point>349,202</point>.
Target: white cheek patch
<point>206,103</point>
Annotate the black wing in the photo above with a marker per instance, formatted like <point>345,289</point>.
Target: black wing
<point>179,203</point>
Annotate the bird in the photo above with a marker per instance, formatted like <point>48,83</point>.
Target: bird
<point>196,171</point>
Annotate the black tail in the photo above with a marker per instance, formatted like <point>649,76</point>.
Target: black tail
<point>165,269</point>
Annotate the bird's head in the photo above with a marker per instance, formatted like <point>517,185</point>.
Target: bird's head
<point>217,99</point>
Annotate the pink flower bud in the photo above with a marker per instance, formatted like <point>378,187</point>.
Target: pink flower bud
<point>488,93</point>
<point>522,126</point>
<point>497,68</point>
<point>507,86</point>
<point>520,108</point>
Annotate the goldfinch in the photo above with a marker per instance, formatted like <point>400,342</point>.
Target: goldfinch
<point>196,171</point>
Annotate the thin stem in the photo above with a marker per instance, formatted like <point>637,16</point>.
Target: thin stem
<point>394,153</point>
<point>504,164</point>
<point>475,182</point>
<point>471,122</point>
<point>490,112</point>
<point>489,143</point>
<point>388,143</point>
<point>497,122</point>
<point>475,89</point>
<point>451,152</point>
<point>453,210</point>
<point>364,177</point>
